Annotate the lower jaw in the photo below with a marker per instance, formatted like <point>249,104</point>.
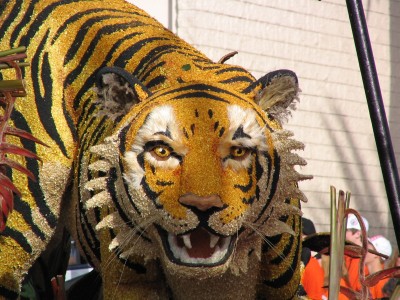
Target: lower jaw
<point>181,257</point>
<point>174,271</point>
<point>218,258</point>
<point>193,262</point>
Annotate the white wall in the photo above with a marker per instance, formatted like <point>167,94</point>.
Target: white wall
<point>160,9</point>
<point>314,39</point>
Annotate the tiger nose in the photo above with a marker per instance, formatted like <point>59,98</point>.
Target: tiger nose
<point>202,203</point>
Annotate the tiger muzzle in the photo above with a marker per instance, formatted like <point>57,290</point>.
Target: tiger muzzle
<point>199,247</point>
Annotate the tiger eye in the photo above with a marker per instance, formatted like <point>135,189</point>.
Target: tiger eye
<point>161,152</point>
<point>239,153</point>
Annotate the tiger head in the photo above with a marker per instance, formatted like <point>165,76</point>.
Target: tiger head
<point>199,174</point>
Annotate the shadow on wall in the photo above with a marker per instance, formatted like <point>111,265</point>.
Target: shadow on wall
<point>361,186</point>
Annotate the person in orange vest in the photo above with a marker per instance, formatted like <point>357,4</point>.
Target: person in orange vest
<point>313,275</point>
<point>375,263</point>
<point>353,234</point>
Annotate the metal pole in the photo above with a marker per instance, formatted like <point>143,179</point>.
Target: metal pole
<point>376,110</point>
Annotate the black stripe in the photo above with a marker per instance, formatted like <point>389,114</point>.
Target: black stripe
<point>273,184</point>
<point>18,237</point>
<point>122,138</point>
<point>185,133</point>
<point>200,87</point>
<point>260,169</point>
<point>274,178</point>
<point>33,166</point>
<point>26,213</point>
<point>156,54</point>
<point>216,124</point>
<point>151,70</point>
<point>152,56</point>
<point>71,20</point>
<point>200,94</point>
<point>150,193</point>
<point>112,178</point>
<point>287,276</point>
<point>233,69</point>
<point>80,15</point>
<point>239,133</point>
<point>87,139</point>
<point>82,35</point>
<point>164,183</point>
<point>44,104</point>
<point>8,293</point>
<point>221,132</point>
<point>138,268</point>
<point>206,87</point>
<point>285,252</point>
<point>156,81</point>
<point>41,18</point>
<point>251,87</point>
<point>132,202</point>
<point>88,234</point>
<point>10,17</point>
<point>237,79</point>
<point>82,220</point>
<point>84,115</point>
<point>246,188</point>
<point>99,132</point>
<point>19,205</point>
<point>205,64</point>
<point>18,28</point>
<point>70,122</point>
<point>83,238</point>
<point>134,49</point>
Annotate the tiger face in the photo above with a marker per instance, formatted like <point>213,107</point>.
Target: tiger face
<point>201,178</point>
<point>198,167</point>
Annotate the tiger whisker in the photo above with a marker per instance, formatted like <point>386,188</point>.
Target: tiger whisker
<point>264,238</point>
<point>147,224</point>
<point>235,244</point>
<point>119,281</point>
<point>141,228</point>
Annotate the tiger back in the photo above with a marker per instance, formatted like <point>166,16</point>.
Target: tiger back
<point>172,172</point>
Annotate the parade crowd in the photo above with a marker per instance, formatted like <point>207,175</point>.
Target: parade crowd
<point>315,276</point>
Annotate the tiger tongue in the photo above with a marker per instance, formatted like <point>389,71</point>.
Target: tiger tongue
<point>200,240</point>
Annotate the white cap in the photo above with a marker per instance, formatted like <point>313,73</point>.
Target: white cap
<point>381,244</point>
<point>352,222</point>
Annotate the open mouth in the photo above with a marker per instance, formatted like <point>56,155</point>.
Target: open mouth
<point>197,248</point>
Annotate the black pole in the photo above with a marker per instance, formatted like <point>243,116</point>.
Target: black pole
<point>376,110</point>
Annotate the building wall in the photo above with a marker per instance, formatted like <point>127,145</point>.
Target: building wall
<point>314,39</point>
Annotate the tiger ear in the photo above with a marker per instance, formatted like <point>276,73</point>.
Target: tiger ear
<point>279,94</point>
<point>117,91</point>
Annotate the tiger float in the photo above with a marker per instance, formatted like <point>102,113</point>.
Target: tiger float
<point>171,172</point>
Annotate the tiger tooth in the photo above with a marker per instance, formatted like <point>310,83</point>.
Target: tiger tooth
<point>186,241</point>
<point>213,240</point>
